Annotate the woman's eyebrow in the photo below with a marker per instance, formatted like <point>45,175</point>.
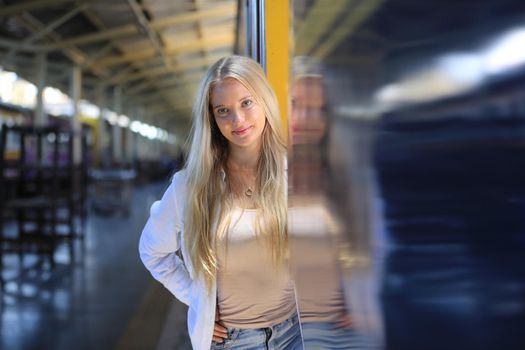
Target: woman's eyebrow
<point>242,98</point>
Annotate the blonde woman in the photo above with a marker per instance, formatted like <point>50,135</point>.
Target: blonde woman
<point>218,238</point>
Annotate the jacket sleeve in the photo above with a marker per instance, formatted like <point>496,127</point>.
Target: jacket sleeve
<point>160,240</point>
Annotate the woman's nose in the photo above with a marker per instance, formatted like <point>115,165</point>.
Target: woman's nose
<point>237,116</point>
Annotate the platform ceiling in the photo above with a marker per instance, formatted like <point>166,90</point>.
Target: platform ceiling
<point>156,50</point>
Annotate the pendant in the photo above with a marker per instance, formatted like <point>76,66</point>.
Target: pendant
<point>248,192</point>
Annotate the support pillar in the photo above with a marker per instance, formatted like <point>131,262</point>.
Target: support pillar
<point>76,91</point>
<point>116,129</point>
<point>130,138</point>
<point>40,81</point>
<point>102,137</point>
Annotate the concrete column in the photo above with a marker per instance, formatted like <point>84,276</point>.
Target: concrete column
<point>147,148</point>
<point>140,146</point>
<point>116,129</point>
<point>151,147</point>
<point>41,76</point>
<point>144,147</point>
<point>158,149</point>
<point>76,91</point>
<point>156,143</point>
<point>132,146</point>
<point>143,141</point>
<point>126,154</point>
<point>138,140</point>
<point>139,112</point>
<point>130,136</point>
<point>102,137</point>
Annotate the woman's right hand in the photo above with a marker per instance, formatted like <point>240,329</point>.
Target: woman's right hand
<point>219,332</point>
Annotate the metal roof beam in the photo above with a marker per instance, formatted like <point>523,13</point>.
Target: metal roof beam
<point>171,82</point>
<point>46,30</point>
<point>186,47</point>
<point>360,13</point>
<point>155,72</point>
<point>33,5</point>
<point>159,25</point>
<point>89,62</point>
<point>175,97</point>
<point>153,36</point>
<point>73,53</point>
<point>12,44</point>
<point>100,25</point>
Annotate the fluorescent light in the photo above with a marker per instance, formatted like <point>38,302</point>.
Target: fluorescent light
<point>112,117</point>
<point>135,126</point>
<point>123,121</point>
<point>88,109</point>
<point>463,68</point>
<point>506,53</point>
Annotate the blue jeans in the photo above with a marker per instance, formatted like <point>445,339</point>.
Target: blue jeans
<point>327,336</point>
<point>282,336</point>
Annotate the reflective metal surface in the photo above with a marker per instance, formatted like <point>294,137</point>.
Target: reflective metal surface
<point>406,168</point>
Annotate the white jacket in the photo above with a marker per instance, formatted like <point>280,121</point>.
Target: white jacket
<point>161,238</point>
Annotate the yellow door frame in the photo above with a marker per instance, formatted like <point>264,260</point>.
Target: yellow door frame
<point>277,52</point>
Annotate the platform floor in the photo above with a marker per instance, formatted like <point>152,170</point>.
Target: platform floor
<point>102,299</point>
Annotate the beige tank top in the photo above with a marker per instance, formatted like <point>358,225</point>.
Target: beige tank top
<point>250,292</point>
<point>315,265</point>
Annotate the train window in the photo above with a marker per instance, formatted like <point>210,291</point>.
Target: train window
<point>406,136</point>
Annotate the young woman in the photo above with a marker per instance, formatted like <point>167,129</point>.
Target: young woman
<point>218,237</point>
<point>319,244</point>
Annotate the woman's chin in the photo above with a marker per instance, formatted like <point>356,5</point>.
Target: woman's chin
<point>244,142</point>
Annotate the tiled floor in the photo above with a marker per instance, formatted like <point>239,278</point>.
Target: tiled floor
<point>104,299</point>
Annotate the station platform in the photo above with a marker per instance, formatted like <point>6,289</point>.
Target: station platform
<point>103,298</point>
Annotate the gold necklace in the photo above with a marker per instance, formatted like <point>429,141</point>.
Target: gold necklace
<point>248,192</point>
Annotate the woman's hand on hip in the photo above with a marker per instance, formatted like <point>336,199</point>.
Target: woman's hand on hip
<point>219,331</point>
<point>344,321</point>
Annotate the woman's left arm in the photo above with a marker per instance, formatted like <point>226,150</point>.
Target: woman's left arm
<point>160,241</point>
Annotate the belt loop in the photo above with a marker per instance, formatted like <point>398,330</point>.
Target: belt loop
<point>268,332</point>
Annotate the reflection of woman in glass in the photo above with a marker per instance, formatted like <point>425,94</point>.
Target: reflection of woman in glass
<point>325,320</point>
<point>224,215</point>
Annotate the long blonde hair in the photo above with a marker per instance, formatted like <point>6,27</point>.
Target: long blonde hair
<point>207,198</point>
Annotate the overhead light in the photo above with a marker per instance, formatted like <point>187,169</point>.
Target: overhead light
<point>456,73</point>
<point>123,121</point>
<point>464,69</point>
<point>112,117</point>
<point>135,126</point>
<point>88,109</point>
<point>506,53</point>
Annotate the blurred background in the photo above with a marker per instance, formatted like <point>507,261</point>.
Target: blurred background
<point>95,104</point>
<point>406,158</point>
<point>406,136</point>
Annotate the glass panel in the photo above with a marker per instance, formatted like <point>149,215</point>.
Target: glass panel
<point>406,143</point>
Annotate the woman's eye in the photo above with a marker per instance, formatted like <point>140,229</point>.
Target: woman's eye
<point>247,103</point>
<point>222,111</point>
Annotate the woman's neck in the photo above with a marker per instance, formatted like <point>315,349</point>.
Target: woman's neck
<point>244,157</point>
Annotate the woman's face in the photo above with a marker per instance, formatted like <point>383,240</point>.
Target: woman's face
<point>308,118</point>
<point>239,118</point>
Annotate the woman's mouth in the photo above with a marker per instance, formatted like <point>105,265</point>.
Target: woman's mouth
<point>242,131</point>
